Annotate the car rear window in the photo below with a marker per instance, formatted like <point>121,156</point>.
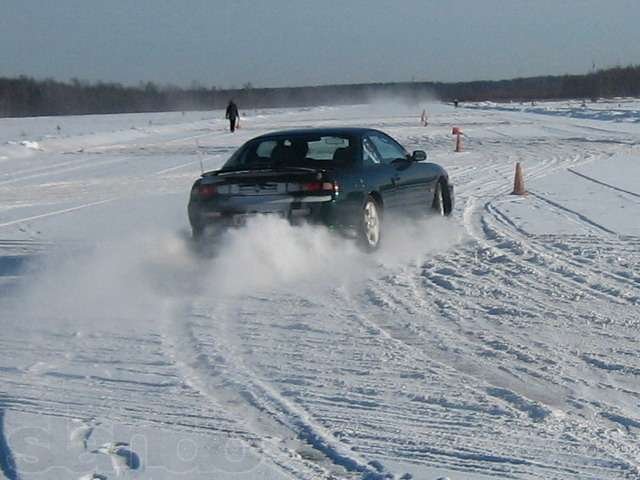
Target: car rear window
<point>296,150</point>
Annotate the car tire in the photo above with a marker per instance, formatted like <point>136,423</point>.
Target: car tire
<point>438,205</point>
<point>196,232</point>
<point>370,225</point>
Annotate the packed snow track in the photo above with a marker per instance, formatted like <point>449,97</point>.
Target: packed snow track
<point>499,343</point>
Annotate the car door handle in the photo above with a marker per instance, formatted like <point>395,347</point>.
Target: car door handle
<point>394,180</point>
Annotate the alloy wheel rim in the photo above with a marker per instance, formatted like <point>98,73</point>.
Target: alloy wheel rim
<point>371,223</point>
<point>440,203</point>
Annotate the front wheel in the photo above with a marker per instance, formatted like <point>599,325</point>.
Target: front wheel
<point>437,206</point>
<point>371,225</point>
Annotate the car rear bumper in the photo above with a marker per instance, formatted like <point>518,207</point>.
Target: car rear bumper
<point>222,214</point>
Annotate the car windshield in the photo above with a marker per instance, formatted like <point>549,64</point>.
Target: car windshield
<point>300,150</point>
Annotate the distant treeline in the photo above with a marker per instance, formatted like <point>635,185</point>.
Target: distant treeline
<point>24,96</point>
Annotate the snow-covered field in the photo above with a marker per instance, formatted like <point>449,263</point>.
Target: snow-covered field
<point>501,343</point>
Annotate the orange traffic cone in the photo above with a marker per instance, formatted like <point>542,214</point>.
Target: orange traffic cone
<point>518,182</point>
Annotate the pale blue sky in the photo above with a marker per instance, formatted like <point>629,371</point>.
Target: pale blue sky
<point>305,42</point>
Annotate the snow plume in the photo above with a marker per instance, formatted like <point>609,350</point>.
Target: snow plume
<point>269,252</point>
<point>410,100</point>
<point>135,278</point>
<point>117,283</point>
<point>411,241</point>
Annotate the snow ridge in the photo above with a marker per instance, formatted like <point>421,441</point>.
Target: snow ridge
<point>272,414</point>
<point>7,462</point>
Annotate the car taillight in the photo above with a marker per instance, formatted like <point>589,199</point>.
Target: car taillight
<point>320,187</point>
<point>206,191</point>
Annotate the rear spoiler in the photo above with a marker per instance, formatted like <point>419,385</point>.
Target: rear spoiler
<point>268,172</point>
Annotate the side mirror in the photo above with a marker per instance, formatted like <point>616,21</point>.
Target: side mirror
<point>419,155</point>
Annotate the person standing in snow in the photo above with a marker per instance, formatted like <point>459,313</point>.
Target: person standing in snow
<point>232,115</point>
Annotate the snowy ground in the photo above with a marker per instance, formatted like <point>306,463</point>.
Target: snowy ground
<point>502,343</point>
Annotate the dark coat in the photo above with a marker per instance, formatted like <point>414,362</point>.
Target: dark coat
<point>232,110</point>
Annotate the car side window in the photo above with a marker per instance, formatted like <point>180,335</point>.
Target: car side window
<point>387,148</point>
<point>370,155</point>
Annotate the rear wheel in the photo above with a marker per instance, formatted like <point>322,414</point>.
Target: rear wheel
<point>371,225</point>
<point>437,206</point>
<point>196,232</point>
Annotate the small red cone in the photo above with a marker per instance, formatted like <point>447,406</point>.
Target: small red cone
<point>458,133</point>
<point>518,181</point>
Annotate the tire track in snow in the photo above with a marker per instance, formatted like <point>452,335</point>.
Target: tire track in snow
<point>462,307</point>
<point>417,356</point>
<point>585,269</point>
<point>53,170</point>
<point>611,449</point>
<point>575,214</point>
<point>591,431</point>
<point>515,249</point>
<point>7,462</point>
<point>56,212</point>
<point>382,425</point>
<point>116,377</point>
<point>602,183</point>
<point>328,407</point>
<point>276,421</point>
<point>550,259</point>
<point>21,173</point>
<point>572,269</point>
<point>482,188</point>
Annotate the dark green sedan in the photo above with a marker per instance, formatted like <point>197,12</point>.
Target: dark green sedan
<point>345,178</point>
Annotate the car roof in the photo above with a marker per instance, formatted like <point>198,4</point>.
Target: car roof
<point>324,131</point>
